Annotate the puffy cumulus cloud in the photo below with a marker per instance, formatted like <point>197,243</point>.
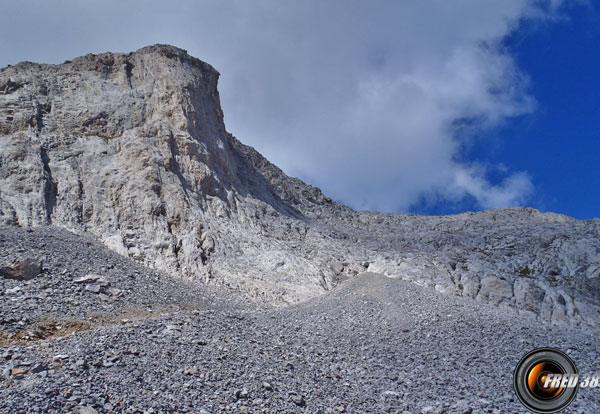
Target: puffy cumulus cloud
<point>377,105</point>
<point>373,102</point>
<point>513,189</point>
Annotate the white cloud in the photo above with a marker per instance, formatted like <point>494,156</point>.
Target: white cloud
<point>376,105</point>
<point>373,102</point>
<point>469,181</point>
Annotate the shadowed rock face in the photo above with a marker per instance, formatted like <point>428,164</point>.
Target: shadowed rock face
<point>133,150</point>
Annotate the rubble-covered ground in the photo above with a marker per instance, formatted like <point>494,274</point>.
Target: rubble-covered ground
<point>97,332</point>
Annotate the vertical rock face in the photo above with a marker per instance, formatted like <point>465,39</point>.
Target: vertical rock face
<point>132,148</point>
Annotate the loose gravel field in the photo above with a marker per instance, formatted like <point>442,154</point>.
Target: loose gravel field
<point>96,332</point>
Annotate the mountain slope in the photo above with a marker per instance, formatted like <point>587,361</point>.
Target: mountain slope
<point>371,345</point>
<point>132,149</point>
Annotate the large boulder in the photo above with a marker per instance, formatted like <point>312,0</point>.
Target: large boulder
<point>25,268</point>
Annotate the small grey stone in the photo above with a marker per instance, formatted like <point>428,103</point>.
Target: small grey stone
<point>298,400</point>
<point>241,394</point>
<point>7,370</point>
<point>336,266</point>
<point>89,278</point>
<point>93,288</point>
<point>38,368</point>
<point>114,291</point>
<point>85,410</point>
<point>172,328</point>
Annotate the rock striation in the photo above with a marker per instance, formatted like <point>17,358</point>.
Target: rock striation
<point>132,149</point>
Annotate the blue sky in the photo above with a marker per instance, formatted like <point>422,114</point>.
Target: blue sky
<point>558,144</point>
<point>431,107</point>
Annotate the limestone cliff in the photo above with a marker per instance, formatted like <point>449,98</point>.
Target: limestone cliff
<point>132,149</point>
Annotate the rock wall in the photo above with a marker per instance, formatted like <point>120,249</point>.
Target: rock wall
<point>132,149</point>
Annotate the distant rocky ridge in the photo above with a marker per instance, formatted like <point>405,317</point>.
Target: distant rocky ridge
<point>132,149</point>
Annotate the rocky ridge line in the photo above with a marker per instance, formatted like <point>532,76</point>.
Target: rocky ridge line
<point>132,149</point>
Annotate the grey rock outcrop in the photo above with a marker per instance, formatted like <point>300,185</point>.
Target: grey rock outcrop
<point>132,149</point>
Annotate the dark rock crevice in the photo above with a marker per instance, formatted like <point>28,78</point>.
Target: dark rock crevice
<point>50,187</point>
<point>10,86</point>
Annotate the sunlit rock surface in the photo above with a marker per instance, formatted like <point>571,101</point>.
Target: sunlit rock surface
<point>132,149</point>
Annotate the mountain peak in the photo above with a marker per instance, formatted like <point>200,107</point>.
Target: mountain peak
<point>92,60</point>
<point>132,149</point>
